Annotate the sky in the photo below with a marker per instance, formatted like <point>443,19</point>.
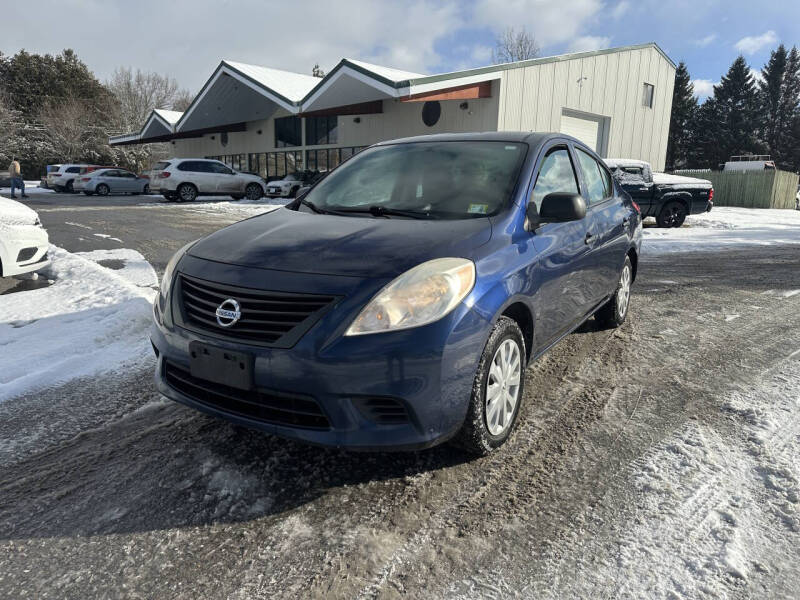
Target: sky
<point>186,40</point>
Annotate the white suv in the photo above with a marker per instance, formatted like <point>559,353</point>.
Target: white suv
<point>184,179</point>
<point>62,179</point>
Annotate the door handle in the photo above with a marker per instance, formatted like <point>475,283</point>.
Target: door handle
<point>589,238</point>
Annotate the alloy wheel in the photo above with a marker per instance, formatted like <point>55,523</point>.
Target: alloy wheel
<point>503,386</point>
<point>624,291</point>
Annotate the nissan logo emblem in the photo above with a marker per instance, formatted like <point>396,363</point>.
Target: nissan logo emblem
<point>228,313</point>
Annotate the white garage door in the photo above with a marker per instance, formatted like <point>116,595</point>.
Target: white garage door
<point>586,129</point>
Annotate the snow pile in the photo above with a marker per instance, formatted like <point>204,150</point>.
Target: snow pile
<point>241,209</point>
<point>14,213</point>
<point>726,228</point>
<point>92,319</point>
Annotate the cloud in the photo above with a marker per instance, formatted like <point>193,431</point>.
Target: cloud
<point>753,43</point>
<point>621,9</point>
<point>589,42</point>
<point>703,87</point>
<point>481,55</point>
<point>404,35</point>
<point>551,22</point>
<point>703,42</point>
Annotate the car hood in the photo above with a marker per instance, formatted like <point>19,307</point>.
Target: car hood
<point>16,213</point>
<point>284,182</point>
<point>300,242</point>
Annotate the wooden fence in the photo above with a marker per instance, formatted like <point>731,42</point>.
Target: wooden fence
<point>750,189</point>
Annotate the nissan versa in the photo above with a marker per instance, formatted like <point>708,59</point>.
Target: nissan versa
<point>398,302</point>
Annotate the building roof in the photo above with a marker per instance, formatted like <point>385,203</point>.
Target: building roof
<point>350,82</point>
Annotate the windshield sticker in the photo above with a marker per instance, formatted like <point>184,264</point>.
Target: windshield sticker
<point>480,209</point>
<point>511,147</point>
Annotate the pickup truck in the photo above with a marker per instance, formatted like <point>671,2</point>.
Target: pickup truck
<point>668,198</point>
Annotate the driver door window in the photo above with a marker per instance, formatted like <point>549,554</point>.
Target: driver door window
<point>555,175</point>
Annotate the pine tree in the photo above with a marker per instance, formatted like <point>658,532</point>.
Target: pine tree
<point>728,123</point>
<point>790,108</point>
<point>771,95</point>
<point>684,113</point>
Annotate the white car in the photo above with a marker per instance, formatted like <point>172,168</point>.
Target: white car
<point>184,179</point>
<point>23,240</point>
<point>63,178</point>
<point>289,185</point>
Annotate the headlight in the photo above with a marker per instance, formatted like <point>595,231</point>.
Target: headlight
<point>419,296</point>
<point>166,279</point>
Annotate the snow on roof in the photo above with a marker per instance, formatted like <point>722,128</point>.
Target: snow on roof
<point>625,162</point>
<point>386,72</point>
<point>170,116</point>
<point>288,84</point>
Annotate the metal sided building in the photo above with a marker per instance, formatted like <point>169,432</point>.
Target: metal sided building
<point>274,122</point>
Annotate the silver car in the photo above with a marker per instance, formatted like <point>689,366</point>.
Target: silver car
<point>112,181</point>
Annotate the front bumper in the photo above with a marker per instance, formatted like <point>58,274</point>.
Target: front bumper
<point>24,254</point>
<point>277,192</point>
<point>428,371</point>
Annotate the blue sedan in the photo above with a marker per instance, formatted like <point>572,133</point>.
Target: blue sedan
<point>398,303</point>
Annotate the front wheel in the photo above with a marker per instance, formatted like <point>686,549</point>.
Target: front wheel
<point>496,391</point>
<point>612,314</point>
<point>672,215</point>
<point>187,192</point>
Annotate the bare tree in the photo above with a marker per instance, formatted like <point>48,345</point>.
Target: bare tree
<point>515,45</point>
<point>140,92</point>
<point>183,99</point>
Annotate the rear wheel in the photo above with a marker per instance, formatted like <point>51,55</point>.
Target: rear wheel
<point>253,191</point>
<point>187,193</point>
<point>68,187</point>
<point>673,214</point>
<point>612,314</point>
<point>497,390</point>
<point>146,188</point>
<point>102,190</point>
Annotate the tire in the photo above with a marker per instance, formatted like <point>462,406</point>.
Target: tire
<point>612,314</point>
<point>672,214</point>
<point>486,429</point>
<point>102,190</point>
<point>253,191</point>
<point>168,197</point>
<point>186,193</point>
<point>146,189</point>
<point>68,188</point>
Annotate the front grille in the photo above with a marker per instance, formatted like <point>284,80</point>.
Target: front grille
<point>268,318</point>
<point>26,254</point>
<point>383,411</point>
<point>259,405</point>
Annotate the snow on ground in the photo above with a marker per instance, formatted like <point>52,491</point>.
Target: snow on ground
<point>243,209</point>
<point>92,319</point>
<point>726,227</point>
<point>31,188</point>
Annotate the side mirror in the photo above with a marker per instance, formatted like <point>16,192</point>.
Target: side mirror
<point>561,207</point>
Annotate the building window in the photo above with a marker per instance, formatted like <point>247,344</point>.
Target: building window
<point>321,130</point>
<point>647,96</point>
<point>287,132</point>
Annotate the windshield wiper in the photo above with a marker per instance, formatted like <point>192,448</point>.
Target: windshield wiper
<point>382,211</point>
<point>311,205</point>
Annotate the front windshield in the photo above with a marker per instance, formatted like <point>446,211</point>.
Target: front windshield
<point>446,180</point>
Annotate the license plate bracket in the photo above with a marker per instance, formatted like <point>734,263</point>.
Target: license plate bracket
<point>220,365</point>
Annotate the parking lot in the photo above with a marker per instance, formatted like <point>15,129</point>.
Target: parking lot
<point>653,460</point>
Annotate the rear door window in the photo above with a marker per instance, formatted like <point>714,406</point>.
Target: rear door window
<point>596,186</point>
<point>555,175</point>
<point>73,170</point>
<point>160,166</point>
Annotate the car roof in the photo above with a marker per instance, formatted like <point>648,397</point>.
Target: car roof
<point>197,159</point>
<point>531,138</point>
